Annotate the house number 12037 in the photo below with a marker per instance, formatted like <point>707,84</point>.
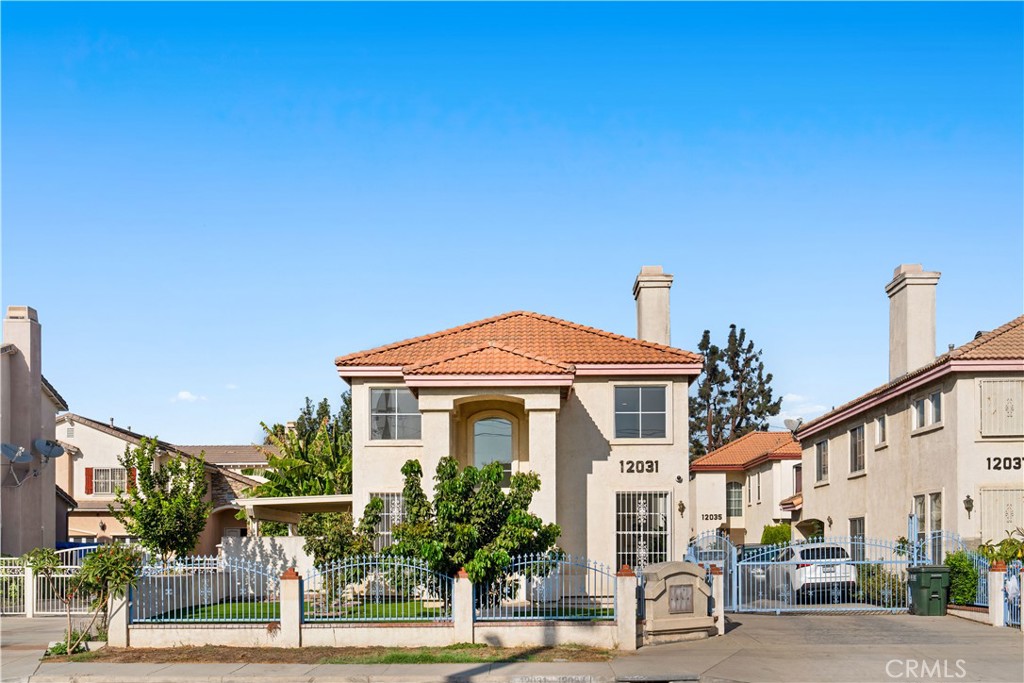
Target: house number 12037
<point>638,466</point>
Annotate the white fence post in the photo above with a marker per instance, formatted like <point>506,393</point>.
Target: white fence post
<point>718,596</point>
<point>625,608</point>
<point>291,609</point>
<point>463,608</point>
<point>30,592</point>
<point>117,621</point>
<point>996,599</point>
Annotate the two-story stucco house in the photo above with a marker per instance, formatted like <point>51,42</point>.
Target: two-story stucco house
<point>92,472</point>
<point>943,439</point>
<point>601,417</point>
<point>746,485</point>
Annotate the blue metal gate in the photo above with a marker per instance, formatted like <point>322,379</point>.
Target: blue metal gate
<point>712,548</point>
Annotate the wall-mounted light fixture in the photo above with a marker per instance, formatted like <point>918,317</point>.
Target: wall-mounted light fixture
<point>968,505</point>
<point>103,525</point>
<point>829,520</point>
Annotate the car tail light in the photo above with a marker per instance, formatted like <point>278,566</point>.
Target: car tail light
<point>802,565</point>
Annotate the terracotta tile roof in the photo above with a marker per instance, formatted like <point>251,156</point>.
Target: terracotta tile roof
<point>530,335</point>
<point>230,455</point>
<point>794,502</point>
<point>490,359</point>
<point>1003,343</point>
<point>749,450</point>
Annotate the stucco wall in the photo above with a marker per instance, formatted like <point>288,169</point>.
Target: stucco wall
<point>949,458</point>
<point>278,553</point>
<point>569,442</point>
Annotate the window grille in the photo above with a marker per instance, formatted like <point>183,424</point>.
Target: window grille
<point>393,513</point>
<point>642,526</point>
<point>107,480</point>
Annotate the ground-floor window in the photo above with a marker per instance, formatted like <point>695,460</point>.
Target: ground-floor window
<point>857,539</point>
<point>642,527</point>
<point>393,513</point>
<point>81,539</point>
<point>1002,510</point>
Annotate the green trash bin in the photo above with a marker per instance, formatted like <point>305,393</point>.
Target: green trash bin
<point>929,590</point>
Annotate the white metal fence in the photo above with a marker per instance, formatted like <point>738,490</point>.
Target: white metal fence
<point>51,588</point>
<point>12,586</point>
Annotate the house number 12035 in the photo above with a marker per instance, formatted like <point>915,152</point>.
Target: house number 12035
<point>638,466</point>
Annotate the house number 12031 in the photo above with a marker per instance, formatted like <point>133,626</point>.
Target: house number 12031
<point>638,466</point>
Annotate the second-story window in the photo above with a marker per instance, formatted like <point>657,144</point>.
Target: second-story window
<point>640,412</point>
<point>880,429</point>
<point>798,479</point>
<point>734,499</point>
<point>394,414</point>
<point>857,449</point>
<point>108,480</point>
<point>821,461</point>
<point>492,442</point>
<point>936,401</point>
<point>919,413</point>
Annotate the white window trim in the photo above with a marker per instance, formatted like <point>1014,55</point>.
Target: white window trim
<point>928,426</point>
<point>818,480</point>
<point>113,492</point>
<point>487,414</point>
<point>368,422</point>
<point>864,452</point>
<point>879,445</point>
<point>669,413</point>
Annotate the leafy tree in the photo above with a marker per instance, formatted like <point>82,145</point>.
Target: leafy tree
<point>107,571</point>
<point>470,522</point>
<point>734,394</point>
<point>331,536</point>
<point>166,509</point>
<point>313,459</point>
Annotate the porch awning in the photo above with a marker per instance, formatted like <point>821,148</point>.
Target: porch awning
<point>288,509</point>
<point>793,503</point>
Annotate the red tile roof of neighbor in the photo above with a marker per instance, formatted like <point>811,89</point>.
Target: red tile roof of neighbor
<point>519,342</point>
<point>749,450</point>
<point>1001,344</point>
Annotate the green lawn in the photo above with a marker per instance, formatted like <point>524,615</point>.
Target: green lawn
<point>226,611</point>
<point>412,610</point>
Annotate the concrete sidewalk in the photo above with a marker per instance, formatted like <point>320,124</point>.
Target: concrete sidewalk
<point>758,648</point>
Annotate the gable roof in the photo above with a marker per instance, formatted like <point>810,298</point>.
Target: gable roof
<point>1005,343</point>
<point>230,454</point>
<point>749,450</point>
<point>519,342</point>
<point>489,359</point>
<point>51,393</point>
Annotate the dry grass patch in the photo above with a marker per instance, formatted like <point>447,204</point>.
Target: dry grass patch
<point>453,654</point>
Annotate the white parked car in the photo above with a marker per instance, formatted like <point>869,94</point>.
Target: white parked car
<point>801,570</point>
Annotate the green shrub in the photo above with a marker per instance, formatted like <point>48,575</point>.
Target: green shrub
<point>963,578</point>
<point>877,586</point>
<point>776,534</point>
<point>61,648</point>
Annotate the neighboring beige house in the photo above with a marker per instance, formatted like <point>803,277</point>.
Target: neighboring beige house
<point>92,474</point>
<point>601,417</point>
<point>32,509</point>
<point>746,485</point>
<point>943,438</point>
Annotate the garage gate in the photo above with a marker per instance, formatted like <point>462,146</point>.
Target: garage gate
<point>831,574</point>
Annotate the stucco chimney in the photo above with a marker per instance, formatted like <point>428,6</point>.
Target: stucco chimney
<point>651,291</point>
<point>911,318</point>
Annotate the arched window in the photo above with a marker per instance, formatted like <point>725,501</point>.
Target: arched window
<point>734,499</point>
<point>492,442</point>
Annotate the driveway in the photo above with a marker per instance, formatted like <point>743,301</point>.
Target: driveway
<point>858,648</point>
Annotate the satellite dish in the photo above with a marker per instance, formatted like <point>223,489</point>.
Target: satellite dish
<point>48,448</point>
<point>13,453</point>
<point>793,425</point>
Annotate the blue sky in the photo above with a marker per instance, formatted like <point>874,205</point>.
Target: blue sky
<point>208,202</point>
